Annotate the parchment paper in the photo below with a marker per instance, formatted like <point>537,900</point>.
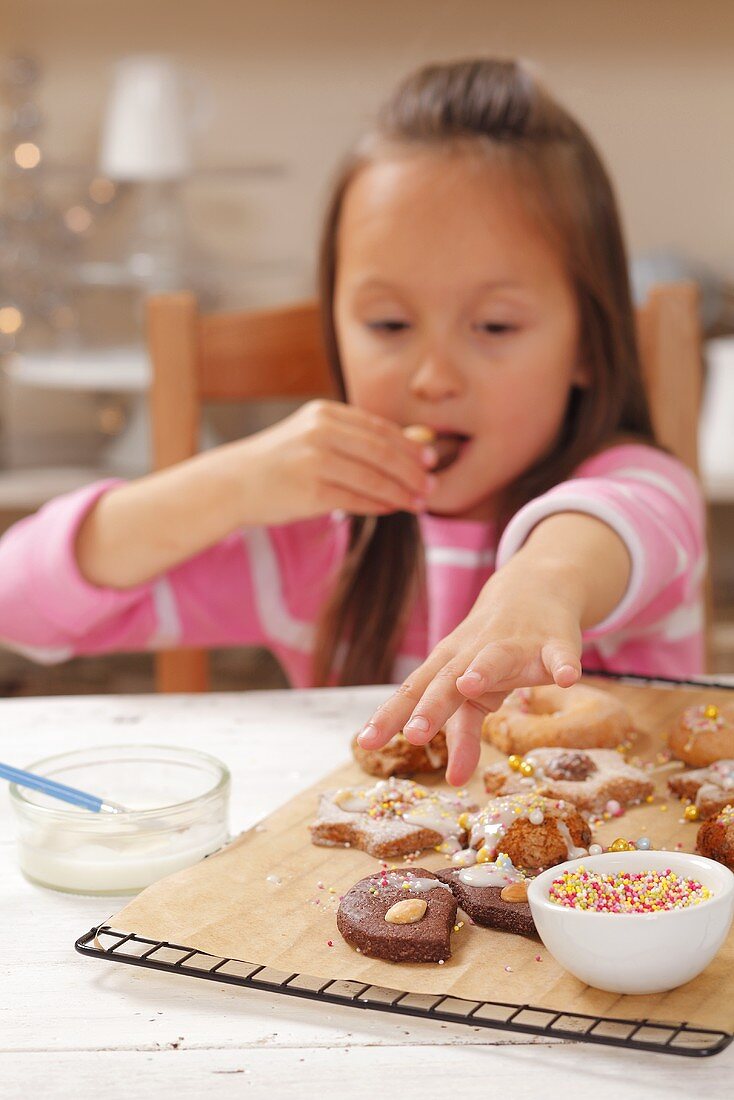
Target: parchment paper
<point>270,897</point>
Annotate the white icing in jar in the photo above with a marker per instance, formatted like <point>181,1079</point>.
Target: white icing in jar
<point>178,800</point>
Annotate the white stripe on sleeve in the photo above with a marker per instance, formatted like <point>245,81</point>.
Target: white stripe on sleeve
<point>277,621</point>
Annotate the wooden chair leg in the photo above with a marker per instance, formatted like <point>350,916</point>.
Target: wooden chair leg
<point>182,670</point>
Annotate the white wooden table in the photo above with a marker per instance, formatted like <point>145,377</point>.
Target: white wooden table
<point>76,1027</point>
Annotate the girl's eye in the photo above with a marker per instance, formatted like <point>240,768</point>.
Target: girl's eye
<point>387,326</point>
<point>496,328</point>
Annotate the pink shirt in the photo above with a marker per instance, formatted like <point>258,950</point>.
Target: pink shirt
<point>266,585</point>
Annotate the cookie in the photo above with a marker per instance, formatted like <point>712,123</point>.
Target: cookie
<point>399,916</point>
<point>532,830</point>
<point>588,778</point>
<point>494,895</point>
<point>402,759</point>
<point>391,818</point>
<point>715,838</point>
<point>578,717</point>
<point>710,789</point>
<point>704,735</point>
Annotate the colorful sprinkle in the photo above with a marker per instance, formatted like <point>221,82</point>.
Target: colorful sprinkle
<point>626,892</point>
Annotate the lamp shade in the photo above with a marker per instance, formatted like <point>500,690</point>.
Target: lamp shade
<point>147,131</point>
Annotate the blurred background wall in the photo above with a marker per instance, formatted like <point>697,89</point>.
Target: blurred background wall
<point>294,81</point>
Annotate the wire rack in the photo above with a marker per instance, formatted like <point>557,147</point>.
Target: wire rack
<point>659,1036</point>
<point>173,958</point>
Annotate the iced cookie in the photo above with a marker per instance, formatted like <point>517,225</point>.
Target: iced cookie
<point>578,717</point>
<point>704,735</point>
<point>709,789</point>
<point>532,830</point>
<point>391,818</point>
<point>399,916</point>
<point>402,759</point>
<point>590,779</point>
<point>494,895</point>
<point>716,838</point>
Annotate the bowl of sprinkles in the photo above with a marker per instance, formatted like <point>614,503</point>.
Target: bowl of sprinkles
<point>634,921</point>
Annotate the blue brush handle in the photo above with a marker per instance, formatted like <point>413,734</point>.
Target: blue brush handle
<point>55,790</point>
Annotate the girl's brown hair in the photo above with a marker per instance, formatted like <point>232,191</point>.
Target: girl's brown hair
<point>499,110</point>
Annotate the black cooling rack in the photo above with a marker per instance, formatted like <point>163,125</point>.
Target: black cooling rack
<point>659,1036</point>
<point>174,958</point>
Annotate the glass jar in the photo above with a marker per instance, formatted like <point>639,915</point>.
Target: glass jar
<point>178,801</point>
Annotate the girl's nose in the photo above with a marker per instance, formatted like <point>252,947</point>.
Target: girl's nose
<point>435,379</point>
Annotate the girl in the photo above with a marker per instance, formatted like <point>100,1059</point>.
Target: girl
<point>474,281</point>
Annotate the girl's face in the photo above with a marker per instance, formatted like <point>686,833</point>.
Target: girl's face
<point>452,310</point>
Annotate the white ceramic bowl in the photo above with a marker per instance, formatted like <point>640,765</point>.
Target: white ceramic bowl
<point>635,952</point>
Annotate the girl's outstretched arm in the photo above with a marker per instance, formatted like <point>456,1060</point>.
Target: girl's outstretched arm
<point>524,629</point>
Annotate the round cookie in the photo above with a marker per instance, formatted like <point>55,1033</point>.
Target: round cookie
<point>399,916</point>
<point>402,759</point>
<point>704,735</point>
<point>578,717</point>
<point>532,830</point>
<point>716,838</point>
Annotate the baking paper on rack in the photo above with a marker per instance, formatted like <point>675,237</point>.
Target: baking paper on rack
<point>270,897</point>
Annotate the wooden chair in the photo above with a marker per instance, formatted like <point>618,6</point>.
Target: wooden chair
<point>670,342</point>
<point>279,353</point>
<point>274,353</point>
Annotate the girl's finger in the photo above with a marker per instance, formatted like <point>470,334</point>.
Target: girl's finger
<point>496,664</point>
<point>562,662</point>
<point>392,716</point>
<point>438,702</point>
<point>379,429</point>
<point>379,453</point>
<point>357,505</point>
<point>356,477</point>
<point>490,701</point>
<point>463,737</point>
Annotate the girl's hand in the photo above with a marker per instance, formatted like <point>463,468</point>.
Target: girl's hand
<point>327,456</point>
<point>519,633</point>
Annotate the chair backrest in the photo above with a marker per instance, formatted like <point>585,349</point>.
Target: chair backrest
<point>670,342</point>
<point>279,353</point>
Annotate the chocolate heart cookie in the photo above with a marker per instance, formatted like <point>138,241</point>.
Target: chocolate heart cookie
<point>494,895</point>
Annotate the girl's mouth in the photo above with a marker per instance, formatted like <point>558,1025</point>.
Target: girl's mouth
<point>448,446</point>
